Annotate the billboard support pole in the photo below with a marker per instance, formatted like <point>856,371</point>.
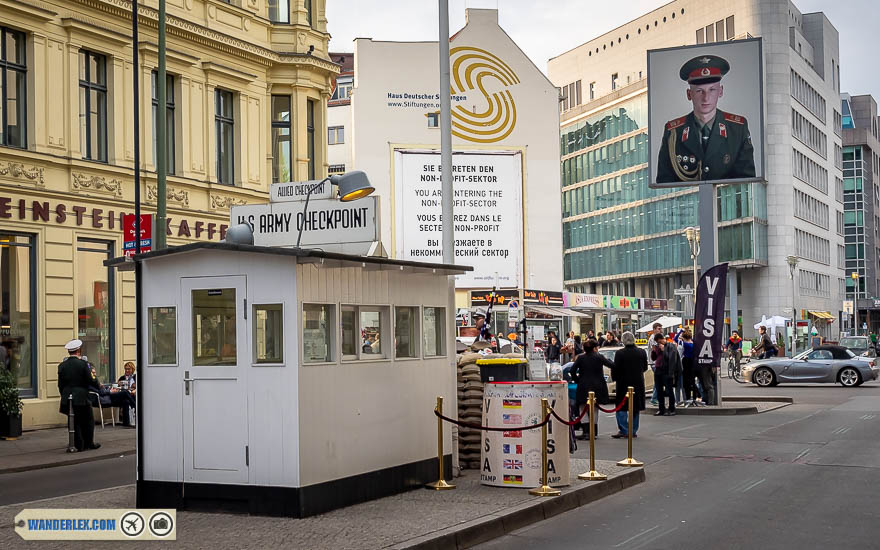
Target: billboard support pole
<point>706,217</point>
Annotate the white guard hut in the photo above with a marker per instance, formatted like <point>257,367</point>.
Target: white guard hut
<point>281,381</point>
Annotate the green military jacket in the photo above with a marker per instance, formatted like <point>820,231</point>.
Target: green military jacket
<point>729,153</point>
<point>74,378</point>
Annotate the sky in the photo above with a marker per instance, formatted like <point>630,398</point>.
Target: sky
<point>546,29</point>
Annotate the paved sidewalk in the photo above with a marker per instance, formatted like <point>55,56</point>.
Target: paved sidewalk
<point>460,518</point>
<point>47,448</point>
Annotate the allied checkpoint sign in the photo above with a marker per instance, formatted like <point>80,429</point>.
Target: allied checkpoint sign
<point>513,458</point>
<point>487,205</point>
<point>299,190</point>
<point>327,223</point>
<point>686,85</point>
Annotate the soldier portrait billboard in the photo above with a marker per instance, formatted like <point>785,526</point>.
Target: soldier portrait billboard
<point>705,113</point>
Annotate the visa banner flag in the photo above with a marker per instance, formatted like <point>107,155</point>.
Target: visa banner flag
<point>512,403</point>
<point>709,316</point>
<point>512,464</point>
<point>512,479</point>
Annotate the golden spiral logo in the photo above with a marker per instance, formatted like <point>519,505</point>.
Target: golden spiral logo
<point>474,69</point>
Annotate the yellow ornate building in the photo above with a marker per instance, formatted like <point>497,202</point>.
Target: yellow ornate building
<point>248,81</point>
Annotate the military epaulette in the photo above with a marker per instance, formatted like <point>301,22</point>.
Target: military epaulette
<point>672,124</point>
<point>737,119</point>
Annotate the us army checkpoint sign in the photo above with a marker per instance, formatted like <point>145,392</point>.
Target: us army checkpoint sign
<point>327,222</point>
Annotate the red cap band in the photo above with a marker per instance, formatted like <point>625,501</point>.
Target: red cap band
<point>705,72</point>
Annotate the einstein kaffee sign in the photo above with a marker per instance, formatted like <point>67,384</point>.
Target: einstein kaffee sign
<point>487,208</point>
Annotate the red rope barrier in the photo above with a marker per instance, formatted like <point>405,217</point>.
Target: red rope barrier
<point>577,421</point>
<point>490,428</point>
<point>615,409</point>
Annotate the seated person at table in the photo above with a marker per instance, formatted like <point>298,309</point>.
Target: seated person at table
<point>113,397</point>
<point>128,381</point>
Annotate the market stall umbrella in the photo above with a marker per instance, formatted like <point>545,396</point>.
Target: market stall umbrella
<point>772,323</point>
<point>665,322</point>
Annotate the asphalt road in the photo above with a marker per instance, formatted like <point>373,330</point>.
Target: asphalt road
<point>804,476</point>
<point>67,480</point>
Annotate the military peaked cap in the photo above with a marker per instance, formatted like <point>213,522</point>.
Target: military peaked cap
<point>704,69</point>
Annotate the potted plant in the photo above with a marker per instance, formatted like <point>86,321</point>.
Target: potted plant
<point>10,406</point>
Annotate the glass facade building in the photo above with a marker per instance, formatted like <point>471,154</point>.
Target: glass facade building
<point>621,236</point>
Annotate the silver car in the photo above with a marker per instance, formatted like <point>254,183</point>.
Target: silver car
<point>819,364</point>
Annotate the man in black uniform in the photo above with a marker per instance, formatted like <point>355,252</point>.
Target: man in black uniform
<point>707,143</point>
<point>75,378</point>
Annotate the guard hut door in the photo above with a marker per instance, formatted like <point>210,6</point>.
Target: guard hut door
<point>213,356</point>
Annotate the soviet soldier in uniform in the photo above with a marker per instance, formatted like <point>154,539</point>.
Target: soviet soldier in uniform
<point>707,143</point>
<point>74,378</point>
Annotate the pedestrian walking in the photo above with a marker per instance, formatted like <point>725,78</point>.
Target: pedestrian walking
<point>630,365</point>
<point>589,374</point>
<point>667,366</point>
<point>651,344</point>
<point>610,341</point>
<point>74,379</point>
<point>552,356</point>
<point>689,374</point>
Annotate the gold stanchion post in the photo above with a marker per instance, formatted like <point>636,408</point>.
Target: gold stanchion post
<point>629,460</point>
<point>592,475</point>
<point>544,490</point>
<point>440,484</point>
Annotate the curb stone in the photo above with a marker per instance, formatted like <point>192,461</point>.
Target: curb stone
<point>68,461</point>
<point>496,525</point>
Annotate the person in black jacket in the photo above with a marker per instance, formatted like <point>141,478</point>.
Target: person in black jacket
<point>667,364</point>
<point>553,352</point>
<point>630,364</point>
<point>589,374</point>
<point>74,379</point>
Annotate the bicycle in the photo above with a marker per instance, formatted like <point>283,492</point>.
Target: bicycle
<point>734,371</point>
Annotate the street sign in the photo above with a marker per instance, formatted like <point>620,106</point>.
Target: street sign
<point>298,191</point>
<point>848,306</point>
<point>327,222</point>
<point>513,311</point>
<point>684,292</point>
<point>129,245</point>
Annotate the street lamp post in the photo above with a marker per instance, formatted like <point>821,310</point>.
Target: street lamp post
<point>855,277</point>
<point>692,234</point>
<point>792,266</point>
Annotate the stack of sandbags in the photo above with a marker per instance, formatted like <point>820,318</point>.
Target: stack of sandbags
<point>470,409</point>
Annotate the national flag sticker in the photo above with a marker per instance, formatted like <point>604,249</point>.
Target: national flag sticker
<point>510,448</point>
<point>512,403</point>
<point>511,419</point>
<point>510,479</point>
<point>515,433</point>
<point>512,464</point>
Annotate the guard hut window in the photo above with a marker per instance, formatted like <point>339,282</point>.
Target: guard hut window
<point>433,120</point>
<point>213,323</point>
<point>434,330</point>
<point>13,107</point>
<point>268,334</point>
<point>282,157</point>
<point>163,335</point>
<point>224,120</point>
<point>18,305</point>
<point>169,118</point>
<point>279,11</point>
<point>93,105</point>
<point>317,334</point>
<point>406,332</point>
<point>365,332</point>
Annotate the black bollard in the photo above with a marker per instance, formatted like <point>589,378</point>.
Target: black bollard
<point>71,430</point>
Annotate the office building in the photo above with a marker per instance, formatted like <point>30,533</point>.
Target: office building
<point>622,237</point>
<point>861,202</point>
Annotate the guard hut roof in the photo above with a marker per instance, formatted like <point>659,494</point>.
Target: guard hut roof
<point>308,255</point>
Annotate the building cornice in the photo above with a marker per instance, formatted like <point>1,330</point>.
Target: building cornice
<point>32,9</point>
<point>199,34</point>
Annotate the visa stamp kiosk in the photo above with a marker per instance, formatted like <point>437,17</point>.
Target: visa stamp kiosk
<point>283,381</point>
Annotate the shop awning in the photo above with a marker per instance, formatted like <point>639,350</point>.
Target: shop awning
<point>572,313</point>
<point>822,314</point>
<point>545,310</point>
